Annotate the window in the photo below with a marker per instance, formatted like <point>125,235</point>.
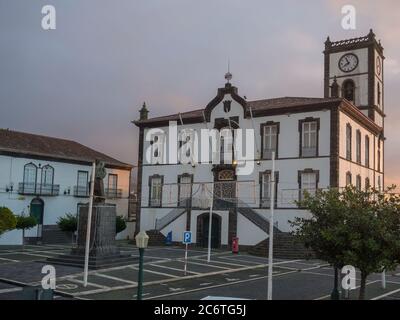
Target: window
<point>379,155</point>
<point>367,184</point>
<point>266,189</point>
<point>270,140</point>
<point>358,182</point>
<point>358,146</point>
<point>379,183</point>
<point>308,182</point>
<point>112,185</point>
<point>30,175</point>
<point>156,183</point>
<point>185,190</point>
<point>348,90</point>
<point>379,94</point>
<point>348,179</point>
<point>348,141</point>
<point>226,145</point>
<point>47,179</point>
<point>367,151</point>
<point>82,186</point>
<point>309,138</point>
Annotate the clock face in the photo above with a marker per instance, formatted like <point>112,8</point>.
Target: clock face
<point>348,62</point>
<point>378,66</point>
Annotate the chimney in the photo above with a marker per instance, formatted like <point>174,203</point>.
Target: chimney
<point>144,112</point>
<point>334,89</point>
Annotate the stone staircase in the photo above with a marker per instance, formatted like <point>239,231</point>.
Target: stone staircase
<point>286,246</point>
<point>51,234</point>
<point>156,238</point>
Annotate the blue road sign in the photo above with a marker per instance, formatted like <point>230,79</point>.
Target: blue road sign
<point>187,237</point>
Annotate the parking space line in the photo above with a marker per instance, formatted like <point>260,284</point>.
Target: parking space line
<point>175,269</point>
<point>10,290</point>
<point>386,294</point>
<point>114,278</point>
<point>226,263</point>
<point>215,286</point>
<point>89,283</point>
<point>328,295</point>
<point>156,272</point>
<point>205,264</point>
<point>11,260</point>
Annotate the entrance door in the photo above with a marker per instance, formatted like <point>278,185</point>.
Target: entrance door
<point>215,230</point>
<point>36,211</point>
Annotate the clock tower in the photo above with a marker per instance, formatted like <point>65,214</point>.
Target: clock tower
<point>355,67</point>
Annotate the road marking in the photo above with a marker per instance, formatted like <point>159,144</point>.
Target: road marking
<point>155,272</point>
<point>10,290</point>
<point>204,264</point>
<point>114,278</point>
<point>89,283</point>
<point>171,268</point>
<point>214,286</point>
<point>226,263</point>
<point>11,260</point>
<point>386,294</point>
<point>328,295</point>
<point>205,284</point>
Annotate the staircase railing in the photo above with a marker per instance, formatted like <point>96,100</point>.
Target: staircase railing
<point>169,218</point>
<point>256,218</point>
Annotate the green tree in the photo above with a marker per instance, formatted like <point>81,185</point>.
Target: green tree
<point>120,224</point>
<point>24,223</point>
<point>68,223</point>
<point>353,227</point>
<point>7,220</point>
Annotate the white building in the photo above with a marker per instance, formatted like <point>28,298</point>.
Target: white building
<point>319,143</point>
<point>48,177</point>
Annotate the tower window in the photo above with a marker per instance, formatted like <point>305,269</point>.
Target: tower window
<point>348,90</point>
<point>379,94</point>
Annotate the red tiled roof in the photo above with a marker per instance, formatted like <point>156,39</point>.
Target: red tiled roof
<point>27,144</point>
<point>257,105</point>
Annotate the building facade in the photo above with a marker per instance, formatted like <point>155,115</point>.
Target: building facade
<point>318,143</point>
<point>48,177</point>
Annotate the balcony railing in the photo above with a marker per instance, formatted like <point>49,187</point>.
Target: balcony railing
<point>38,189</point>
<point>81,191</point>
<point>113,193</point>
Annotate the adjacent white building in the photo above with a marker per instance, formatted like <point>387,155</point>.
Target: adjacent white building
<point>318,142</point>
<point>48,177</point>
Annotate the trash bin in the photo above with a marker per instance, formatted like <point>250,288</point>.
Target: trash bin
<point>235,245</point>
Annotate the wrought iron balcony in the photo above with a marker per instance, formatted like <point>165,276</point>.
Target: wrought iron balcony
<point>38,189</point>
<point>81,191</point>
<point>113,193</point>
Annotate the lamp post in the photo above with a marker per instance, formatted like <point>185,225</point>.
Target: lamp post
<point>335,291</point>
<point>142,239</point>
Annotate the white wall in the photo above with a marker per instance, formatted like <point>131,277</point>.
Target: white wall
<point>65,175</point>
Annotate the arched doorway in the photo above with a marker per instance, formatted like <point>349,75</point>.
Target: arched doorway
<point>36,210</point>
<point>203,221</point>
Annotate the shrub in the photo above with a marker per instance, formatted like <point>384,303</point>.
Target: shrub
<point>68,223</point>
<point>7,220</point>
<point>25,222</point>
<point>120,224</point>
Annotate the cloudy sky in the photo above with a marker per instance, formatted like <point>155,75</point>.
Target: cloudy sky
<point>86,80</point>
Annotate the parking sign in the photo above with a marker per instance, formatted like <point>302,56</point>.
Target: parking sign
<point>187,237</point>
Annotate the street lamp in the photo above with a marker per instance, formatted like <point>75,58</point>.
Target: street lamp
<point>142,239</point>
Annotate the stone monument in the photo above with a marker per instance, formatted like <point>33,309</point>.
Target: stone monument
<point>103,251</point>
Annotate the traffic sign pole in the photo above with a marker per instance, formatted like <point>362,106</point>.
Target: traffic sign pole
<point>186,254</point>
